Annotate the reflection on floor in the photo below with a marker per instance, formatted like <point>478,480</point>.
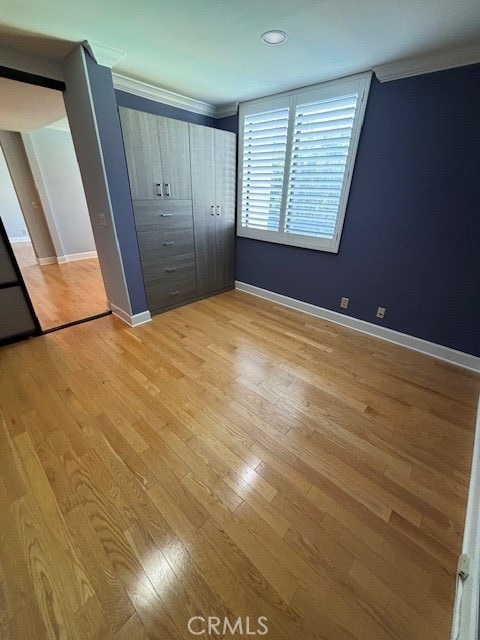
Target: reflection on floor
<point>61,293</point>
<point>230,458</point>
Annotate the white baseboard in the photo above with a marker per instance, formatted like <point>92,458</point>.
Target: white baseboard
<point>466,608</point>
<point>452,356</point>
<point>19,239</point>
<point>70,257</point>
<point>50,260</point>
<point>132,320</point>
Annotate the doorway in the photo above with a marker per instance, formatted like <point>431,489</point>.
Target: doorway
<point>43,207</point>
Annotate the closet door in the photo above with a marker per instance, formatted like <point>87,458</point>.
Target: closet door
<point>225,170</point>
<point>17,317</point>
<point>202,150</point>
<point>142,152</point>
<point>175,153</point>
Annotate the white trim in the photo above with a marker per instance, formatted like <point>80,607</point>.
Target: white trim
<point>19,239</point>
<point>466,608</point>
<point>225,110</point>
<point>157,94</point>
<point>71,257</point>
<point>427,63</point>
<point>103,55</point>
<point>452,356</point>
<point>358,83</point>
<point>50,260</point>
<point>132,320</point>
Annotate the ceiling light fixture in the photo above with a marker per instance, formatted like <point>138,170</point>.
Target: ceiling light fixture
<point>274,37</point>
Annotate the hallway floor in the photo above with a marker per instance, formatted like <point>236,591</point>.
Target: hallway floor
<point>61,293</point>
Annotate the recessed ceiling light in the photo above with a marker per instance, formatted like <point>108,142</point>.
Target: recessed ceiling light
<point>274,37</point>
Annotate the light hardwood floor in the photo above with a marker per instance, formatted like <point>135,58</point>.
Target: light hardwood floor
<point>230,458</point>
<point>61,293</point>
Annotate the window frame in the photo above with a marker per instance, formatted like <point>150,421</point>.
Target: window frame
<point>359,83</point>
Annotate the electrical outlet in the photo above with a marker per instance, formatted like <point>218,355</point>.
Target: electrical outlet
<point>34,205</point>
<point>381,312</point>
<point>103,219</point>
<point>344,303</point>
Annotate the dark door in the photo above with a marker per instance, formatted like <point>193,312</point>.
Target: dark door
<point>17,317</point>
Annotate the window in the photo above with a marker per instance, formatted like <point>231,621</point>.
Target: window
<point>297,152</point>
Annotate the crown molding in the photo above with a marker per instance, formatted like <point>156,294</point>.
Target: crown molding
<point>157,94</point>
<point>428,63</point>
<point>104,56</point>
<point>225,110</point>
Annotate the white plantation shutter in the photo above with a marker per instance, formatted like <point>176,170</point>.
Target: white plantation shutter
<point>321,140</point>
<point>264,151</point>
<point>297,152</point>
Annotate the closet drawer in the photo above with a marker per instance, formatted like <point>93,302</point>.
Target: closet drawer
<point>162,244</point>
<point>166,270</point>
<point>162,214</point>
<point>164,295</point>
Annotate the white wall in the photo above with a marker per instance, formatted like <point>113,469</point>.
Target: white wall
<point>61,189</point>
<point>22,178</point>
<point>10,211</point>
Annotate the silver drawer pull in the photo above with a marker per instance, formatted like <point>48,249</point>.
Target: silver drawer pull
<point>174,293</point>
<point>218,210</point>
<point>159,189</point>
<point>167,244</point>
<point>166,215</point>
<point>171,269</point>
<point>213,210</point>
<point>167,189</point>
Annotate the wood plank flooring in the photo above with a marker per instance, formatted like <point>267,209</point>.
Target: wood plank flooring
<point>230,458</point>
<point>61,293</point>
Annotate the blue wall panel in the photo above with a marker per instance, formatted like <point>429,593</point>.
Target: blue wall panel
<point>108,121</point>
<point>411,240</point>
<point>229,123</point>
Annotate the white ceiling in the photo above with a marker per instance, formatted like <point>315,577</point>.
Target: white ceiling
<point>211,49</point>
<point>26,107</point>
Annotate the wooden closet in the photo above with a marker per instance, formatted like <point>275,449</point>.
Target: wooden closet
<point>182,180</point>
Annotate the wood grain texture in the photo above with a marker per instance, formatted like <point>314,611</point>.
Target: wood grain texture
<point>213,159</point>
<point>225,186</point>
<point>142,151</point>
<point>230,458</point>
<point>158,215</point>
<point>175,152</point>
<point>61,293</point>
<point>202,157</point>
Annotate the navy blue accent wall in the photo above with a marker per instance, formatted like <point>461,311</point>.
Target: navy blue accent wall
<point>411,239</point>
<point>132,101</point>
<point>110,133</point>
<point>229,123</point>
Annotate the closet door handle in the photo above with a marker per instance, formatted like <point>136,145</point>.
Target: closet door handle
<point>167,189</point>
<point>166,215</point>
<point>159,189</point>
<point>171,269</point>
<point>218,210</point>
<point>167,244</point>
<point>213,210</point>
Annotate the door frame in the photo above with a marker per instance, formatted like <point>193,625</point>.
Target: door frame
<point>21,283</point>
